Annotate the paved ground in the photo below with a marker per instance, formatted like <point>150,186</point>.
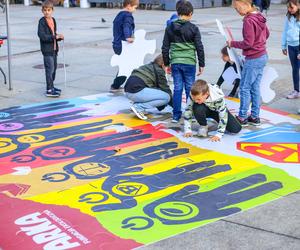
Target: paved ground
<point>275,225</point>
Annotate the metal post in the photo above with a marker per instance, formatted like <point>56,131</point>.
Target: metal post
<point>8,45</point>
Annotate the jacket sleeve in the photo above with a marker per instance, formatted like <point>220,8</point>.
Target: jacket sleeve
<point>188,116</point>
<point>248,41</point>
<point>166,48</point>
<point>223,117</point>
<point>283,36</point>
<point>44,37</point>
<point>127,27</point>
<point>199,48</point>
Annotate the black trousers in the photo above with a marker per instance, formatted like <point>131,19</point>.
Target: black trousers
<point>50,63</point>
<point>119,80</point>
<point>201,112</point>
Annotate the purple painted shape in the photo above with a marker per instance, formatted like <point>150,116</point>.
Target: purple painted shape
<point>10,126</point>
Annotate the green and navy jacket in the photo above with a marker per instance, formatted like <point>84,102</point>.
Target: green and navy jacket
<point>182,40</point>
<point>153,76</point>
<point>215,102</point>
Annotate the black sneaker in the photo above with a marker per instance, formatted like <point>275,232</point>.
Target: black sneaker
<point>52,93</point>
<point>57,90</point>
<point>254,121</point>
<point>243,122</point>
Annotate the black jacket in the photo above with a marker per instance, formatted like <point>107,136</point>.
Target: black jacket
<point>47,39</point>
<point>181,40</point>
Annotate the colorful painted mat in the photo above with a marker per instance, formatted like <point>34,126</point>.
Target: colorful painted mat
<point>85,173</point>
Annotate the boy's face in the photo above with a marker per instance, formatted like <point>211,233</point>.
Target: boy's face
<point>131,8</point>
<point>199,99</point>
<point>47,12</point>
<point>225,58</point>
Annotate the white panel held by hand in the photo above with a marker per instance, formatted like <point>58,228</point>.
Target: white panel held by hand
<point>133,54</point>
<point>269,75</point>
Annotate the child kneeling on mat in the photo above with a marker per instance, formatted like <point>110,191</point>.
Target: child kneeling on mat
<point>207,101</point>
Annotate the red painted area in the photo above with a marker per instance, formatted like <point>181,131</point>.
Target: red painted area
<point>277,152</point>
<point>29,159</point>
<point>30,225</point>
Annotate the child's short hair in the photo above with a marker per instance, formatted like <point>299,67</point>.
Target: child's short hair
<point>159,60</point>
<point>130,2</point>
<point>224,51</point>
<point>200,87</point>
<point>47,4</point>
<point>184,8</point>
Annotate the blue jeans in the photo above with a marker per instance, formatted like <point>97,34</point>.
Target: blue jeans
<point>149,98</point>
<point>250,86</point>
<point>184,76</point>
<point>295,62</point>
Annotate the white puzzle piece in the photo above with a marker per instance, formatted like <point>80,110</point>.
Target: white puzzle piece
<point>133,54</point>
<point>269,75</point>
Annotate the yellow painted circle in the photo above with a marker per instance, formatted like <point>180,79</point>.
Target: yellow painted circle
<point>33,138</point>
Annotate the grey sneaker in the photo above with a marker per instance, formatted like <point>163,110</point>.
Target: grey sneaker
<point>203,131</point>
<point>293,95</point>
<point>138,113</point>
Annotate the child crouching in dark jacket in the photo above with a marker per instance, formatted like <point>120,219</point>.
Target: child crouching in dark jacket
<point>148,88</point>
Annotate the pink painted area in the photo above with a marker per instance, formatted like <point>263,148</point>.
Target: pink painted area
<point>31,225</point>
<point>275,111</point>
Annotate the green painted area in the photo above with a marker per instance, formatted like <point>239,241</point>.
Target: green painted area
<point>282,183</point>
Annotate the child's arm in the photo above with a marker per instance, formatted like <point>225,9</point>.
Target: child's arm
<point>223,118</point>
<point>46,38</point>
<point>165,49</point>
<point>248,41</point>
<point>200,51</point>
<point>283,37</point>
<point>188,116</point>
<point>127,29</point>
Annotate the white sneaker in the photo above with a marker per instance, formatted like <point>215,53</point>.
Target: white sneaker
<point>174,121</point>
<point>138,113</point>
<point>203,131</point>
<point>293,95</point>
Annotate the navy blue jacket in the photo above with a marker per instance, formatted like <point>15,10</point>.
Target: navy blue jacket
<point>47,38</point>
<point>123,28</point>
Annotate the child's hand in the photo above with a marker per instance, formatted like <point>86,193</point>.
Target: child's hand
<point>188,134</point>
<point>298,56</point>
<point>214,139</point>
<point>228,43</point>
<point>168,70</point>
<point>284,51</point>
<point>60,36</point>
<point>201,69</point>
<point>130,39</point>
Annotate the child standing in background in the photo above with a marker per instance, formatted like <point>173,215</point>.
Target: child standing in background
<point>49,47</point>
<point>123,30</point>
<point>181,42</point>
<point>255,35</point>
<point>290,43</point>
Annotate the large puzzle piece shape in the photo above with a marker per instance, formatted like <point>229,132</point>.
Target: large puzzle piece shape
<point>133,54</point>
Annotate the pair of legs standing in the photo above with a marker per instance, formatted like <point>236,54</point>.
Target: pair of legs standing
<point>295,62</point>
<point>50,64</point>
<point>250,87</point>
<point>184,77</point>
